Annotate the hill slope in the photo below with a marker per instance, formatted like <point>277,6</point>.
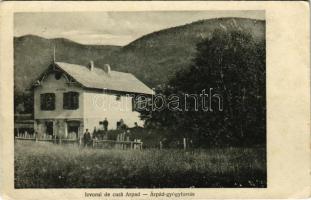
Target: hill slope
<point>153,58</point>
<point>33,54</point>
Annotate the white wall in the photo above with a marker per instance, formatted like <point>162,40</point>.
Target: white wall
<point>97,106</point>
<point>51,85</point>
<point>93,106</point>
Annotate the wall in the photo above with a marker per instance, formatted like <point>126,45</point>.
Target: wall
<point>93,106</point>
<point>59,127</point>
<point>51,85</point>
<point>97,106</point>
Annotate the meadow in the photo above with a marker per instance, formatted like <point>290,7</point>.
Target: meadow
<point>44,165</point>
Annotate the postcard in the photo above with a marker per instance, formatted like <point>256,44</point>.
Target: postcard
<point>155,100</point>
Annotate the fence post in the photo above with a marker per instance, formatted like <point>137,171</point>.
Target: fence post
<point>160,145</point>
<point>185,144</point>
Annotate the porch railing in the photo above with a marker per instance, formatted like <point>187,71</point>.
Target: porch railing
<point>95,143</point>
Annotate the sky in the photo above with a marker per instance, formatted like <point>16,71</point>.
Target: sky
<point>111,28</point>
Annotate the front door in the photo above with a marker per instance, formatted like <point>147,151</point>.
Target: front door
<point>49,128</point>
<point>73,129</point>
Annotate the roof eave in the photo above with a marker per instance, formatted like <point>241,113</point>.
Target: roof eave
<point>118,91</point>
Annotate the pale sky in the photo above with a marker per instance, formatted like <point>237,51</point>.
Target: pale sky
<point>112,28</point>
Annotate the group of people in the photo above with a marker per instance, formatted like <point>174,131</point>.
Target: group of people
<point>87,138</point>
<point>120,124</point>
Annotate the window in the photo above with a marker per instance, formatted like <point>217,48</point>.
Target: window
<point>47,101</point>
<point>118,98</point>
<point>49,128</point>
<point>73,129</point>
<point>71,100</point>
<point>58,75</point>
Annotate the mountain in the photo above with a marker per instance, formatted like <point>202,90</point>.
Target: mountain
<point>153,58</point>
<point>33,54</point>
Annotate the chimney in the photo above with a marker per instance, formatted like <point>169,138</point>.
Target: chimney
<point>107,68</point>
<point>91,65</point>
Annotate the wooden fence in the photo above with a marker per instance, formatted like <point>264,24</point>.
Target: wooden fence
<point>54,140</point>
<point>136,144</point>
<point>120,143</point>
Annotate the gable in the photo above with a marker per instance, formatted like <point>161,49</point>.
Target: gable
<point>99,79</point>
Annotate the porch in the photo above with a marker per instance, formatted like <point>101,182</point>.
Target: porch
<point>49,129</point>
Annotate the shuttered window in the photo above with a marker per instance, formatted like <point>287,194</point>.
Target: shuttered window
<point>71,100</point>
<point>47,101</point>
<point>118,97</point>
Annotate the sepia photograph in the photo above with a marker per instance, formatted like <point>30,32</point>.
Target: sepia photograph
<point>140,99</point>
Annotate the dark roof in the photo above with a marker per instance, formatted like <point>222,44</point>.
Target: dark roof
<point>99,79</point>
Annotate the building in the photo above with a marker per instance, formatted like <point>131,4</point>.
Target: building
<point>23,123</point>
<point>69,98</point>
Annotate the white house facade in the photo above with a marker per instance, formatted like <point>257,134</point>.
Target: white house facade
<point>69,98</point>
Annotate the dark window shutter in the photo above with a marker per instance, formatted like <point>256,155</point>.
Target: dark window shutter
<point>71,100</point>
<point>65,100</point>
<point>52,96</point>
<point>42,102</point>
<point>47,101</point>
<point>75,100</point>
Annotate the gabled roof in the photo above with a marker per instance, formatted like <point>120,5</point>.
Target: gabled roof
<point>99,79</point>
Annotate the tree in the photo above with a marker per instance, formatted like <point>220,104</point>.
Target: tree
<point>232,63</point>
<point>23,102</point>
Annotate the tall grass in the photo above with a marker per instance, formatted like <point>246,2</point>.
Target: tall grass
<point>55,166</point>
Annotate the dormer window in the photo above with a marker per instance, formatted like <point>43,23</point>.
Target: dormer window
<point>47,101</point>
<point>57,75</point>
<point>71,100</point>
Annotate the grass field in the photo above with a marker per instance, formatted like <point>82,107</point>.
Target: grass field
<point>55,166</point>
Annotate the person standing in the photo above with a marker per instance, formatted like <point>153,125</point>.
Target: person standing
<point>86,137</point>
<point>123,126</point>
<point>105,123</point>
